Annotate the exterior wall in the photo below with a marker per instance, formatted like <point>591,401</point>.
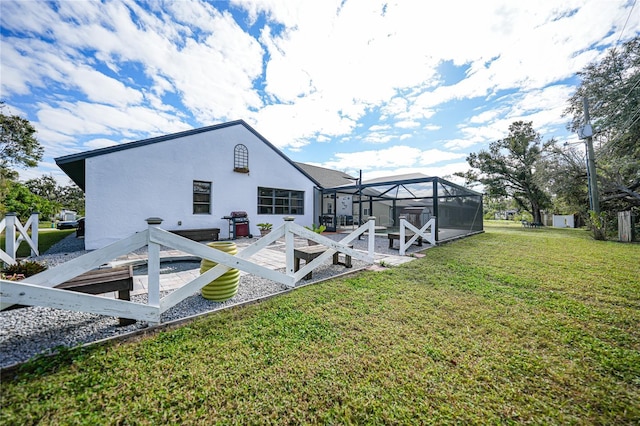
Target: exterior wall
<point>65,215</point>
<point>383,213</point>
<point>124,188</point>
<point>563,221</point>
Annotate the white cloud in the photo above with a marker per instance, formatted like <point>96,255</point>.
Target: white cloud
<point>214,75</point>
<point>544,107</point>
<point>100,88</point>
<point>435,156</point>
<point>462,143</point>
<point>399,157</point>
<point>99,143</point>
<point>295,126</point>
<point>314,72</point>
<point>379,127</point>
<point>407,124</point>
<point>445,171</point>
<point>486,116</point>
<point>59,124</point>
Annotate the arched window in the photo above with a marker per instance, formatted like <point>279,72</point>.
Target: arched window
<point>241,159</point>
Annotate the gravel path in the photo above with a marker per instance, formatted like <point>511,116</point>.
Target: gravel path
<point>27,332</point>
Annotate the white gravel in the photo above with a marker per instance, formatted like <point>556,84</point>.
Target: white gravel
<point>27,332</point>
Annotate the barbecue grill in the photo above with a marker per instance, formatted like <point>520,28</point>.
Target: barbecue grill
<point>238,225</point>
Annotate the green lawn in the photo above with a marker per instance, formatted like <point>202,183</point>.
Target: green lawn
<point>46,238</point>
<point>514,325</point>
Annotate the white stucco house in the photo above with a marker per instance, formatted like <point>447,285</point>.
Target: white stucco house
<point>191,180</point>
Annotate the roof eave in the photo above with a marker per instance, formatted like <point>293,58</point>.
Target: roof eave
<point>74,164</point>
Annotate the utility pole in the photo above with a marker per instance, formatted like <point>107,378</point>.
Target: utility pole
<point>587,133</point>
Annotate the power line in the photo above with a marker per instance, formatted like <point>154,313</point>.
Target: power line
<point>620,102</point>
<point>625,22</point>
<point>627,95</point>
<point>637,118</point>
<point>627,125</point>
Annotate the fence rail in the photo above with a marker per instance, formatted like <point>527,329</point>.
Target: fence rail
<point>38,290</point>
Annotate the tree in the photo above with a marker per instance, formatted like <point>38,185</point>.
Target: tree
<point>44,186</point>
<point>18,148</point>
<point>508,168</point>
<point>69,197</point>
<point>18,144</point>
<point>563,174</point>
<point>23,202</point>
<point>612,87</point>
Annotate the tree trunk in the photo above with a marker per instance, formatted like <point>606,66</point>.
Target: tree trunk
<point>537,216</point>
<point>535,212</point>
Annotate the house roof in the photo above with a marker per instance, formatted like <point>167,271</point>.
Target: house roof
<point>396,178</point>
<point>414,185</point>
<point>74,165</point>
<point>327,178</point>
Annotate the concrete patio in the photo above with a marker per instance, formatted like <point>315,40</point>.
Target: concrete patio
<point>273,257</point>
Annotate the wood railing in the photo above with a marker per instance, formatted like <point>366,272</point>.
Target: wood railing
<point>38,290</point>
<point>13,239</point>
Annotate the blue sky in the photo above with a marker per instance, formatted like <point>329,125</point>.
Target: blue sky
<point>386,87</point>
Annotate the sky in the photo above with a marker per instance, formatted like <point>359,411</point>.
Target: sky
<point>386,87</point>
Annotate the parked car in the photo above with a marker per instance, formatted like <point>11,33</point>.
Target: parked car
<point>68,224</point>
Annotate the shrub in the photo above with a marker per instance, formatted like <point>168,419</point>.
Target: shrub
<point>25,268</point>
<point>317,229</point>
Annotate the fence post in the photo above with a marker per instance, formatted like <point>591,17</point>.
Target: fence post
<point>372,235</point>
<point>625,227</point>
<point>288,244</point>
<point>10,236</point>
<point>34,233</point>
<point>402,234</point>
<point>153,265</point>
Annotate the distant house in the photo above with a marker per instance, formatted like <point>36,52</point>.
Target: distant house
<point>191,180</point>
<point>66,215</point>
<point>505,214</point>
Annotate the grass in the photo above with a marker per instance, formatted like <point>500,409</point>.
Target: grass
<point>46,238</point>
<point>512,326</point>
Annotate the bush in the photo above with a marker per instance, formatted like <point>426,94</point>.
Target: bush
<point>23,269</point>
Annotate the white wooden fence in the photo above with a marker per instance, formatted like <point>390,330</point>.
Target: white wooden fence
<point>38,290</point>
<point>13,239</point>
<point>422,232</point>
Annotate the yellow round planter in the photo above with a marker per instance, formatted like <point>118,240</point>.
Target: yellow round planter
<point>226,286</point>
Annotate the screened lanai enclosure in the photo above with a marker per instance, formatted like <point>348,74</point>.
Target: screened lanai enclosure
<point>458,210</point>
